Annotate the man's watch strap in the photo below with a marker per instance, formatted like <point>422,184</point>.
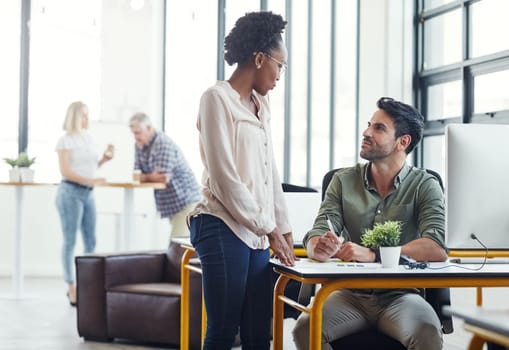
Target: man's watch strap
<point>377,253</point>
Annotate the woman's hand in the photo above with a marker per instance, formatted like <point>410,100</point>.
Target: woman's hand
<point>280,247</point>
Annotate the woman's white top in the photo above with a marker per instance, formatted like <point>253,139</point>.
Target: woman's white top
<point>83,156</point>
<point>241,181</point>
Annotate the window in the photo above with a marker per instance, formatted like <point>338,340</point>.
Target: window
<point>302,104</point>
<point>489,27</point>
<point>10,14</point>
<point>462,71</point>
<point>79,52</point>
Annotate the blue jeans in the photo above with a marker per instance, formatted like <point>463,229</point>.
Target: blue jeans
<point>76,207</point>
<point>236,285</point>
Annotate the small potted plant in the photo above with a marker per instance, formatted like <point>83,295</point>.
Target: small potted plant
<point>24,163</point>
<point>14,171</point>
<point>386,237</point>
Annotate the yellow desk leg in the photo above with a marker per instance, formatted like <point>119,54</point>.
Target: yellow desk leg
<point>184,300</point>
<point>277,318</point>
<point>479,296</point>
<point>203,320</point>
<point>476,343</point>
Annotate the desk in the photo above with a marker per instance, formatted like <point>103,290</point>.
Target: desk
<point>17,238</point>
<point>485,324</point>
<point>332,277</point>
<point>128,221</point>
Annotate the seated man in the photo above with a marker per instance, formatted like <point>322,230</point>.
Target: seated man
<point>385,188</point>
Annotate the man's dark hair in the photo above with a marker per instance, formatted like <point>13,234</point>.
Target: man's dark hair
<point>407,120</point>
<point>253,32</point>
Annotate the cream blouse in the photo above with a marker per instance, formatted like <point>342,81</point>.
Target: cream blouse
<point>241,183</point>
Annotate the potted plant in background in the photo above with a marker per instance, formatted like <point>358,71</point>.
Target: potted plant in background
<point>386,238</point>
<point>14,171</point>
<point>24,163</point>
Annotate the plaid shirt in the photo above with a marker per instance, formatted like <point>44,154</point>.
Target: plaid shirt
<point>183,189</point>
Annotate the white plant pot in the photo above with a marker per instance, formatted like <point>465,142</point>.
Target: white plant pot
<point>27,174</point>
<point>390,256</point>
<point>14,175</point>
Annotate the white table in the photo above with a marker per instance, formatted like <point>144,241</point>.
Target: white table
<point>128,222</point>
<point>17,238</point>
<point>127,219</point>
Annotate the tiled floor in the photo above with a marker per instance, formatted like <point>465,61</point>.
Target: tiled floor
<point>43,320</point>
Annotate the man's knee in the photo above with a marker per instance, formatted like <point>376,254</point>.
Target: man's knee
<point>428,336</point>
<point>300,332</point>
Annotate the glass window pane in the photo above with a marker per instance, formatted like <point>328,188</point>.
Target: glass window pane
<point>297,66</point>
<point>429,4</point>
<point>79,51</point>
<point>10,12</point>
<point>489,22</point>
<point>59,31</point>
<point>444,100</point>
<point>434,154</point>
<point>346,83</point>
<point>190,70</point>
<point>442,40</point>
<point>491,92</point>
<point>277,102</point>
<point>320,94</point>
<point>234,10</point>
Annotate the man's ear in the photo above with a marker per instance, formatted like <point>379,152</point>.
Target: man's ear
<point>404,141</point>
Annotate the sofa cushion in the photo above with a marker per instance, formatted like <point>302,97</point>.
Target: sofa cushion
<point>143,317</point>
<point>163,289</point>
<point>139,268</point>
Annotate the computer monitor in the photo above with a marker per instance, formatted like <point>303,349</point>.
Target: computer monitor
<point>477,186</point>
<point>302,210</point>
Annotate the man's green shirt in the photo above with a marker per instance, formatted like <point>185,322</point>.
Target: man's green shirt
<point>354,206</point>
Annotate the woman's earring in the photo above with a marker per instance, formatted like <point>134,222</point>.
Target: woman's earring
<point>258,66</point>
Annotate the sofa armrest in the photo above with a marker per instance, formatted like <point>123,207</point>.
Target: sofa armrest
<point>95,273</point>
<point>91,298</point>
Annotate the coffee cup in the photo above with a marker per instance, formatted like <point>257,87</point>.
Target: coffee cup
<point>136,176</point>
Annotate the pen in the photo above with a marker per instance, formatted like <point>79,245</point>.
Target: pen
<point>329,223</point>
<point>331,228</point>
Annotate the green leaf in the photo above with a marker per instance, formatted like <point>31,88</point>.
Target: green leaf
<point>386,234</point>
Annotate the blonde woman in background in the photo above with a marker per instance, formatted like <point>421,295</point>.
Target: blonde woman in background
<point>78,161</point>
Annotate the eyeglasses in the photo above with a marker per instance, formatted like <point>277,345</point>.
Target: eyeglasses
<point>282,65</point>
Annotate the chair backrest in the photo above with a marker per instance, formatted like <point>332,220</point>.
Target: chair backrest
<point>436,297</point>
<point>294,188</point>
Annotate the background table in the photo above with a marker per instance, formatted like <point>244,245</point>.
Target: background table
<point>128,222</point>
<point>334,276</point>
<point>485,324</point>
<point>17,238</point>
<point>127,219</point>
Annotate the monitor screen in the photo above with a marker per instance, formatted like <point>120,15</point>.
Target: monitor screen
<point>477,186</point>
<point>302,210</point>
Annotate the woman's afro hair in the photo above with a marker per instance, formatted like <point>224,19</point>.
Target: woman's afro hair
<point>254,32</point>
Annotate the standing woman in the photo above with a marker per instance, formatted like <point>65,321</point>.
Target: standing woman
<point>78,160</point>
<point>243,211</point>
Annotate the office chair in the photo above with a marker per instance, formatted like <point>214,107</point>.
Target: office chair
<point>372,338</point>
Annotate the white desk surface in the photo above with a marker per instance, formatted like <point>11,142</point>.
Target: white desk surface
<point>334,268</point>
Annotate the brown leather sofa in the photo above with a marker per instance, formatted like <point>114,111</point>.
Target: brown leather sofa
<point>135,296</point>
